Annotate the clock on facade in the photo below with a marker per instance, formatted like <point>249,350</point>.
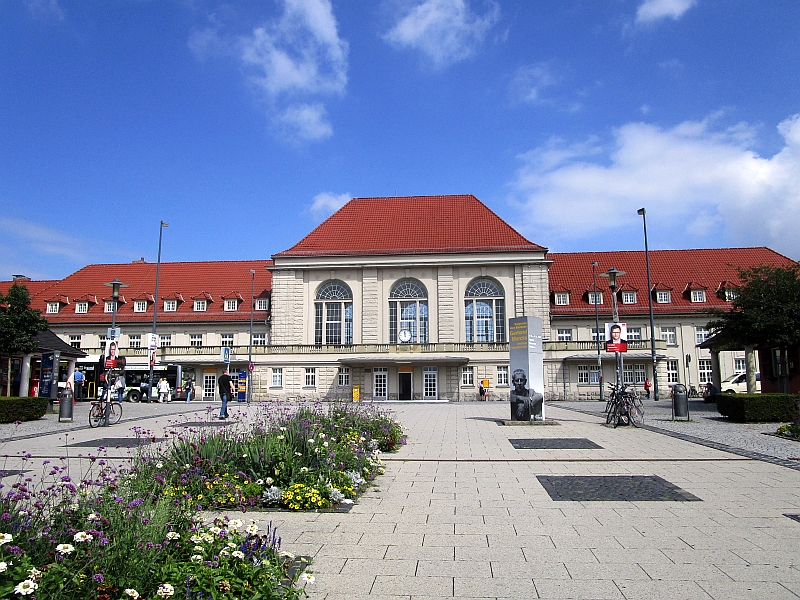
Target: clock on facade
<point>404,335</point>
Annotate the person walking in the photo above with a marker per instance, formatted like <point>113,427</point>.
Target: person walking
<point>119,387</point>
<point>226,392</point>
<point>163,390</point>
<point>647,388</point>
<point>189,389</point>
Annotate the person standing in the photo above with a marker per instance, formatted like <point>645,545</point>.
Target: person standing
<point>226,392</point>
<point>189,389</point>
<point>163,390</point>
<point>78,379</point>
<point>647,388</point>
<point>119,387</point>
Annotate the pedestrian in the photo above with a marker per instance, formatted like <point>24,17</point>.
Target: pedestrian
<point>163,390</point>
<point>119,387</point>
<point>647,388</point>
<point>78,378</point>
<point>226,392</point>
<point>189,389</point>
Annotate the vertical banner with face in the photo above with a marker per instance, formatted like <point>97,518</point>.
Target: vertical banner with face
<point>526,364</point>
<point>113,359</point>
<point>46,376</point>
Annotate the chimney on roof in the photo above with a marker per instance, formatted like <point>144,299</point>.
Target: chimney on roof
<point>141,260</point>
<point>20,278</point>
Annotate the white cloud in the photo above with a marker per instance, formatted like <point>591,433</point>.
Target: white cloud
<point>703,187</point>
<point>306,121</point>
<point>38,239</point>
<point>446,31</point>
<point>327,203</point>
<point>653,10</point>
<point>48,9</point>
<point>529,82</point>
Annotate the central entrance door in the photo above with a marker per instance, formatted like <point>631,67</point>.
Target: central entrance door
<point>404,391</point>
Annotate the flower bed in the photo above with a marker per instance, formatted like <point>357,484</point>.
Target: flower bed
<point>121,534</point>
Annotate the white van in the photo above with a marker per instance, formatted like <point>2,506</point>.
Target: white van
<point>737,384</point>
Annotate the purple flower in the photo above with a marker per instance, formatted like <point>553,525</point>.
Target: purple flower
<point>98,577</point>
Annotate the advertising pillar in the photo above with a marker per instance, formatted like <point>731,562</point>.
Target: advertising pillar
<point>526,364</point>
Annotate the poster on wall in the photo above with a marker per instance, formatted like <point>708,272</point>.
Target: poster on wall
<point>526,364</point>
<point>46,376</point>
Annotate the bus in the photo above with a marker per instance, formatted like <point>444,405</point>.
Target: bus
<point>136,376</point>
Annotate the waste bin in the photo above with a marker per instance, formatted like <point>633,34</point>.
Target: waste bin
<point>65,405</point>
<point>680,401</point>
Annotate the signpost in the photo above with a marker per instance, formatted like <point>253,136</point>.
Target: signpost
<point>225,355</point>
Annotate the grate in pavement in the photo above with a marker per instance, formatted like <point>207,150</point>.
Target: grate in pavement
<point>599,488</point>
<point>555,444</point>
<point>11,472</point>
<point>793,517</point>
<point>113,443</point>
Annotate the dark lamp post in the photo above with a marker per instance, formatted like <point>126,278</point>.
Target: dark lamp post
<point>643,214</point>
<point>115,286</point>
<point>155,308</point>
<point>250,350</point>
<point>597,331</point>
<point>612,275</point>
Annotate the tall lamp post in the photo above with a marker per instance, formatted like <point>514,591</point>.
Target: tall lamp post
<point>597,332</point>
<point>115,286</point>
<point>250,350</point>
<point>612,275</point>
<point>643,213</point>
<point>155,306</point>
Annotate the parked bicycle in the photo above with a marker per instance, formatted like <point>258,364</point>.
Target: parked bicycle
<point>97,413</point>
<point>694,393</point>
<point>624,406</point>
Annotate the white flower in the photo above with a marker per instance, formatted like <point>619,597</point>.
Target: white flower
<point>74,506</point>
<point>280,437</point>
<point>304,469</point>
<point>196,558</point>
<point>3,567</point>
<point>5,538</point>
<point>63,549</point>
<point>260,481</point>
<point>237,554</point>
<point>287,554</point>
<point>198,518</point>
<point>283,428</point>
<point>82,536</point>
<point>310,440</point>
<point>269,481</point>
<point>195,539</point>
<point>165,590</point>
<point>298,454</point>
<point>231,545</point>
<point>252,529</point>
<point>173,535</point>
<point>224,553</point>
<point>235,524</point>
<point>26,587</point>
<point>325,444</point>
<point>306,579</point>
<point>132,593</point>
<point>35,573</point>
<point>159,465</point>
<point>316,450</point>
<point>244,455</point>
<point>187,466</point>
<point>215,530</point>
<point>208,538</point>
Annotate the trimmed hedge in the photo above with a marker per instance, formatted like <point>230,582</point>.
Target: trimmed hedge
<point>758,408</point>
<point>22,409</point>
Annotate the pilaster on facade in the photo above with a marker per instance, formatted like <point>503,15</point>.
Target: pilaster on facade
<point>288,300</point>
<point>535,292</point>
<point>370,307</point>
<point>446,297</point>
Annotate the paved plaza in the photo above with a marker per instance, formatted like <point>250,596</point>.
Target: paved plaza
<point>575,510</point>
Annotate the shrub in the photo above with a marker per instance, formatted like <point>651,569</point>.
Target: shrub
<point>758,408</point>
<point>22,409</point>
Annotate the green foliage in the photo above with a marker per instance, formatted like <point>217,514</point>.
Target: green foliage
<point>758,408</point>
<point>19,322</point>
<point>14,409</point>
<point>791,431</point>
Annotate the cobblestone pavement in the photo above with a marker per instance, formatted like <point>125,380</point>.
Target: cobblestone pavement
<point>460,512</point>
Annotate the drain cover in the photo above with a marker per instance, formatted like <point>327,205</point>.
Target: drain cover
<point>555,444</point>
<point>113,443</point>
<point>598,488</point>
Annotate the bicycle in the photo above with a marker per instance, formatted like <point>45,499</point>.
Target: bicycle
<point>624,406</point>
<point>693,393</point>
<point>97,414</point>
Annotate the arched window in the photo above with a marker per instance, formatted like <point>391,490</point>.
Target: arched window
<point>333,314</point>
<point>408,313</point>
<point>484,312</point>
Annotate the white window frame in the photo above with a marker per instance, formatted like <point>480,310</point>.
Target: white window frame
<point>380,382</point>
<point>344,377</point>
<point>53,308</point>
<point>564,335</point>
<point>467,376</point>
<point>277,377</point>
<point>139,306</point>
<point>262,304</point>
<point>627,373</point>
<point>81,308</point>
<point>109,306</point>
<point>672,370</point>
<point>561,299</point>
<point>484,312</point>
<point>430,383</point>
<point>704,370</point>
<point>595,298</point>
<point>602,334</point>
<point>200,305</point>
<point>310,380</point>
<point>195,340</point>
<point>639,374</point>
<point>739,365</point>
<point>170,305</point>
<point>731,295</point>
<point>231,304</point>
<point>701,334</point>
<point>628,297</point>
<point>135,341</point>
<point>259,339</point>
<point>634,334</point>
<point>669,335</point>
<point>502,375</point>
<point>209,385</point>
<point>165,340</point>
<point>226,340</point>
<point>663,297</point>
<point>594,374</point>
<point>583,374</point>
<point>75,341</point>
<point>698,296</point>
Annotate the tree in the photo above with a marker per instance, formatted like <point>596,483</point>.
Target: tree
<point>19,322</point>
<point>766,313</point>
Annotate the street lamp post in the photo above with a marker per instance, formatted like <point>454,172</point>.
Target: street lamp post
<point>643,213</point>
<point>597,332</point>
<point>155,308</point>
<point>612,275</point>
<point>115,286</point>
<point>250,350</point>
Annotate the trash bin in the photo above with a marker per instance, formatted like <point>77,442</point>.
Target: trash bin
<point>680,401</point>
<point>65,405</point>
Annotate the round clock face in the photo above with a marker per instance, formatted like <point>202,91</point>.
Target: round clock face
<point>404,335</point>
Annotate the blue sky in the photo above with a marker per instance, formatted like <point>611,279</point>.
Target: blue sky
<point>245,123</point>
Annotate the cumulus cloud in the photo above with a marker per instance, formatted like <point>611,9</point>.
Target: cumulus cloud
<point>653,10</point>
<point>445,31</point>
<point>530,80</point>
<point>704,186</point>
<point>327,203</point>
<point>292,61</point>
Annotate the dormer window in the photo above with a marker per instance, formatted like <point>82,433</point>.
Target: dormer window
<point>663,296</point>
<point>262,304</point>
<point>231,304</point>
<point>170,305</point>
<point>81,308</point>
<point>110,305</point>
<point>140,306</point>
<point>200,305</point>
<point>698,295</point>
<point>53,308</point>
<point>628,297</point>
<point>731,295</point>
<point>562,299</point>
<point>595,298</point>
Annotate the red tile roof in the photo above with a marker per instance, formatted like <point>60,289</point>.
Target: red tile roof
<point>676,270</point>
<point>411,225</point>
<point>35,287</point>
<point>176,280</point>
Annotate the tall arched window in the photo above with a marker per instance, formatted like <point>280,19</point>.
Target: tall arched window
<point>333,314</point>
<point>484,312</point>
<point>408,313</point>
